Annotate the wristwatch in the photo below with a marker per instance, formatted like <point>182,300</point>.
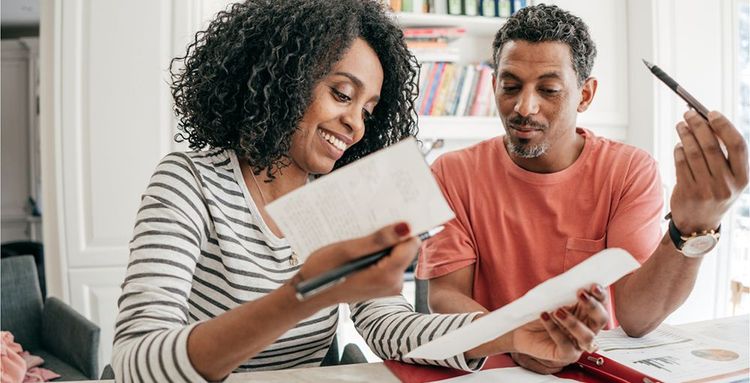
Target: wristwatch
<point>695,245</point>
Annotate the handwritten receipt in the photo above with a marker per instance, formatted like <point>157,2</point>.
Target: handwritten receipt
<point>394,184</point>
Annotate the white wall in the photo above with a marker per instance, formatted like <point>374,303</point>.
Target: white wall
<point>107,120</point>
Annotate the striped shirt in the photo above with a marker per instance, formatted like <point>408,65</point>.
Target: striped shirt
<point>200,248</point>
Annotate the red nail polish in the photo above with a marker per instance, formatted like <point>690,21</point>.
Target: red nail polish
<point>583,296</point>
<point>561,314</point>
<point>402,229</point>
<point>545,316</point>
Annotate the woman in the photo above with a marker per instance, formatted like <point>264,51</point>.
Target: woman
<point>279,91</point>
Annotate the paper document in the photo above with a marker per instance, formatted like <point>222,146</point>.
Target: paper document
<point>394,184</point>
<point>603,268</point>
<point>508,374</point>
<point>675,355</point>
<point>734,329</point>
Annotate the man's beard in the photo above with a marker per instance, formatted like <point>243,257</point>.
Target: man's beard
<point>525,149</point>
<point>521,147</point>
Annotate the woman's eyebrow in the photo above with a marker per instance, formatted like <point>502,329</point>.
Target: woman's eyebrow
<point>357,82</point>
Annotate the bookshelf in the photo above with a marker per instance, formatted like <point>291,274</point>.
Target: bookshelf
<point>474,47</point>
<point>474,25</point>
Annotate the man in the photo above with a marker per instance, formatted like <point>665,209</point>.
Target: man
<point>546,196</point>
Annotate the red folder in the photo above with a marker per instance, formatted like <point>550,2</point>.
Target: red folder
<point>412,373</point>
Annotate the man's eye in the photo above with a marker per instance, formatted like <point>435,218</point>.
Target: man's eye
<point>550,91</point>
<point>510,89</point>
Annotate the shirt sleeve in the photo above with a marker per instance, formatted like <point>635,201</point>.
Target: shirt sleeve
<point>151,332</point>
<point>392,329</point>
<point>454,247</point>
<point>635,222</point>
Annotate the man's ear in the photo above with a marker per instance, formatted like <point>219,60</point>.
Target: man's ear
<point>588,90</point>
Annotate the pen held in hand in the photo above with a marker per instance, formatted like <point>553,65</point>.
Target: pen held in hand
<point>332,277</point>
<point>672,84</point>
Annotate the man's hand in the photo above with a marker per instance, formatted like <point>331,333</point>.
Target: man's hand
<point>707,180</point>
<point>561,340</point>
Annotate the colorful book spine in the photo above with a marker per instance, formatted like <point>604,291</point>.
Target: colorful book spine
<point>427,88</point>
<point>483,85</point>
<point>432,90</point>
<point>455,91</point>
<point>489,8</point>
<point>419,6</point>
<point>441,96</point>
<point>503,8</point>
<point>471,7</point>
<point>466,87</point>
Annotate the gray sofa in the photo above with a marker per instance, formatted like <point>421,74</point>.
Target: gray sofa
<point>67,341</point>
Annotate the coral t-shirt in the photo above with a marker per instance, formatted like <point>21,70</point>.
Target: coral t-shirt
<point>518,228</point>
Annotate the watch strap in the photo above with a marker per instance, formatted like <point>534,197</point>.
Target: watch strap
<point>675,235</point>
<point>679,239</point>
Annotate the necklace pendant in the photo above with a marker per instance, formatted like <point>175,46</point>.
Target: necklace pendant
<point>293,261</point>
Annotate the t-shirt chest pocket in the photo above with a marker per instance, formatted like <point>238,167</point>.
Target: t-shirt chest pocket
<point>578,250</point>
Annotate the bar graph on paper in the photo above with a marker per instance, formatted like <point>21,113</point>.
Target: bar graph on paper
<point>673,355</point>
<point>666,363</point>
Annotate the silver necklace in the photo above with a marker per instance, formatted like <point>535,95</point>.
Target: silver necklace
<point>293,261</point>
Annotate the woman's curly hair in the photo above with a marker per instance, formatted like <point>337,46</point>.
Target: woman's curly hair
<point>246,81</point>
<point>550,23</point>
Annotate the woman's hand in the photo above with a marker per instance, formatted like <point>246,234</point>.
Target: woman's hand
<point>384,278</point>
<point>557,339</point>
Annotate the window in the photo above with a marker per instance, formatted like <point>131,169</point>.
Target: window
<point>736,243</point>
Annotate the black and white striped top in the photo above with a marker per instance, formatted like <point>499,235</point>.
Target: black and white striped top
<point>200,248</point>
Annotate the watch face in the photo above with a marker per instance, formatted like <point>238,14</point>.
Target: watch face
<point>698,246</point>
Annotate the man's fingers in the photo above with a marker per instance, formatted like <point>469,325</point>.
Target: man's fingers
<point>693,153</point>
<point>709,144</point>
<point>735,144</point>
<point>682,169</point>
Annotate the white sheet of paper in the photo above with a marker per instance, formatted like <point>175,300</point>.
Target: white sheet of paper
<point>508,374</point>
<point>674,354</point>
<point>603,268</point>
<point>391,185</point>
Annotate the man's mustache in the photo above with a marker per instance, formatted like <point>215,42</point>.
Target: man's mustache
<point>526,121</point>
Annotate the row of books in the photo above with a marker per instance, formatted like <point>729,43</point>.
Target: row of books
<point>491,8</point>
<point>450,89</point>
<point>433,43</point>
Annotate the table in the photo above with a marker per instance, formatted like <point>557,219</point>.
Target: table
<point>350,373</point>
<point>378,372</point>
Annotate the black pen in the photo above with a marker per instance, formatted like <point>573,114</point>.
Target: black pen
<point>672,84</point>
<point>337,275</point>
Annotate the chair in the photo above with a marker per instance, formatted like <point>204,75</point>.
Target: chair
<point>67,341</point>
<point>16,248</point>
<point>421,289</point>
